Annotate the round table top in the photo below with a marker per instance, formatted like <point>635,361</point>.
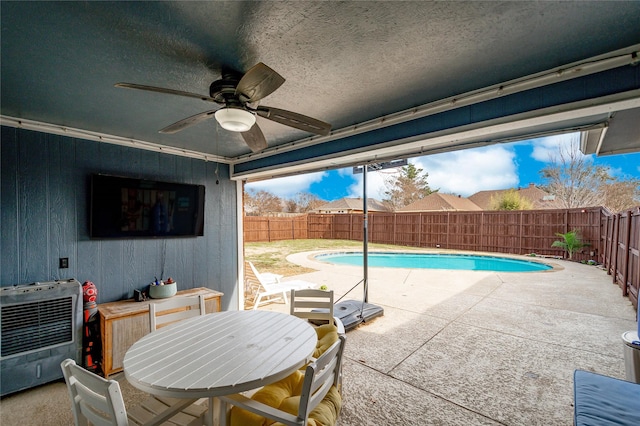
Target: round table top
<point>219,354</point>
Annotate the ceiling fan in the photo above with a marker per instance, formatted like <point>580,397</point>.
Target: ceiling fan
<point>236,93</point>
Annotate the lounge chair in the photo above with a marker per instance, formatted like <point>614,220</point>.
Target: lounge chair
<point>263,288</point>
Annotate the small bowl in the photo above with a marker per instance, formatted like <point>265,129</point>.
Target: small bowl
<point>162,291</point>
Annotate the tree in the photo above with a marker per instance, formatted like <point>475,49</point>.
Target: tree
<point>261,202</point>
<point>290,205</point>
<point>622,195</point>
<point>577,182</point>
<point>573,179</point>
<point>306,201</point>
<point>510,200</point>
<point>410,186</point>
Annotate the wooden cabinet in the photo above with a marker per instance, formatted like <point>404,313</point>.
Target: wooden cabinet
<point>124,322</point>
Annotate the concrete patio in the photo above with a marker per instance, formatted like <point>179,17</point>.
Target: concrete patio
<point>453,347</point>
<point>475,348</point>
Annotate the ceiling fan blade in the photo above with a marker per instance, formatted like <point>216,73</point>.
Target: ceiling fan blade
<point>293,119</point>
<point>258,82</point>
<point>255,138</point>
<point>163,90</point>
<point>189,121</point>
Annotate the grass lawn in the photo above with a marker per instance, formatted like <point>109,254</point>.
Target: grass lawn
<point>272,256</point>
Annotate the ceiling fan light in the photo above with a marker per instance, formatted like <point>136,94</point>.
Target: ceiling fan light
<point>235,119</point>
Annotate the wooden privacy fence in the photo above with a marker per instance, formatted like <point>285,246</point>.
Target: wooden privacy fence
<point>520,232</point>
<point>613,239</point>
<point>621,245</point>
<point>261,228</point>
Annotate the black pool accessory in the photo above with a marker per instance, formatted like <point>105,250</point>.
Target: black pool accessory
<point>354,312</point>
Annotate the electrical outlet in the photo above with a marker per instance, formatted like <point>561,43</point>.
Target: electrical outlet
<point>64,262</point>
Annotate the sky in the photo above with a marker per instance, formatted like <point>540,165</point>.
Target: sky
<point>464,172</point>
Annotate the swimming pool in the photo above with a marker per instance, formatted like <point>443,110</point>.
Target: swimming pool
<point>466,262</point>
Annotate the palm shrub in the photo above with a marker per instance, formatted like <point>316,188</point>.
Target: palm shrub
<point>571,242</point>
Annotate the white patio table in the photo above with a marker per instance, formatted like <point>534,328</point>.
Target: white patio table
<point>219,354</point>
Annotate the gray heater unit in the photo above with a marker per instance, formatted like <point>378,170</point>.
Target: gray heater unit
<point>41,325</point>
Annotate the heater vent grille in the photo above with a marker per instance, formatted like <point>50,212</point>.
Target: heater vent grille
<point>37,325</point>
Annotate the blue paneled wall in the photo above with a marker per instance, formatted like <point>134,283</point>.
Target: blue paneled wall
<point>44,197</point>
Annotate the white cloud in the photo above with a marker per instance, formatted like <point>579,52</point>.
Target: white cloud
<point>347,171</point>
<point>545,149</point>
<point>616,172</point>
<point>469,171</point>
<point>375,185</point>
<point>286,187</point>
<point>462,172</point>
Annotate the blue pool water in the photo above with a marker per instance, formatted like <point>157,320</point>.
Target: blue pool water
<point>435,261</point>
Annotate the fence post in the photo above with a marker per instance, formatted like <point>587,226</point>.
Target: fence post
<point>395,217</point>
<point>627,250</point>
<point>611,223</point>
<point>605,248</point>
<point>520,226</point>
<point>482,247</point>
<point>614,248</point>
<point>603,241</point>
<point>333,226</point>
<point>448,223</point>
<point>599,233</point>
<point>634,280</point>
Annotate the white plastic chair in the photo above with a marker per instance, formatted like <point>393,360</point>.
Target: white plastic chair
<point>320,376</point>
<point>315,306</point>
<point>99,402</point>
<point>175,309</point>
<point>263,285</point>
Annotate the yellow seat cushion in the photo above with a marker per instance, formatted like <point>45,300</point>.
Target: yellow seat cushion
<point>327,336</point>
<point>272,395</point>
<point>285,395</point>
<point>326,413</point>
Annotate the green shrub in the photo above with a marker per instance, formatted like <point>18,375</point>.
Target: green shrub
<point>571,242</point>
<point>510,200</point>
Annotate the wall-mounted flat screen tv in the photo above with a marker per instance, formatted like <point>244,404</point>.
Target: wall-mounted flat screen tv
<point>123,207</point>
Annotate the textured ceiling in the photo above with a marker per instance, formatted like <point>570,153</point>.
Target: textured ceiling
<point>344,62</point>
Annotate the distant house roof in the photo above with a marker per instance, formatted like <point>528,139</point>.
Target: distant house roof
<point>350,205</point>
<point>538,197</point>
<point>439,202</point>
